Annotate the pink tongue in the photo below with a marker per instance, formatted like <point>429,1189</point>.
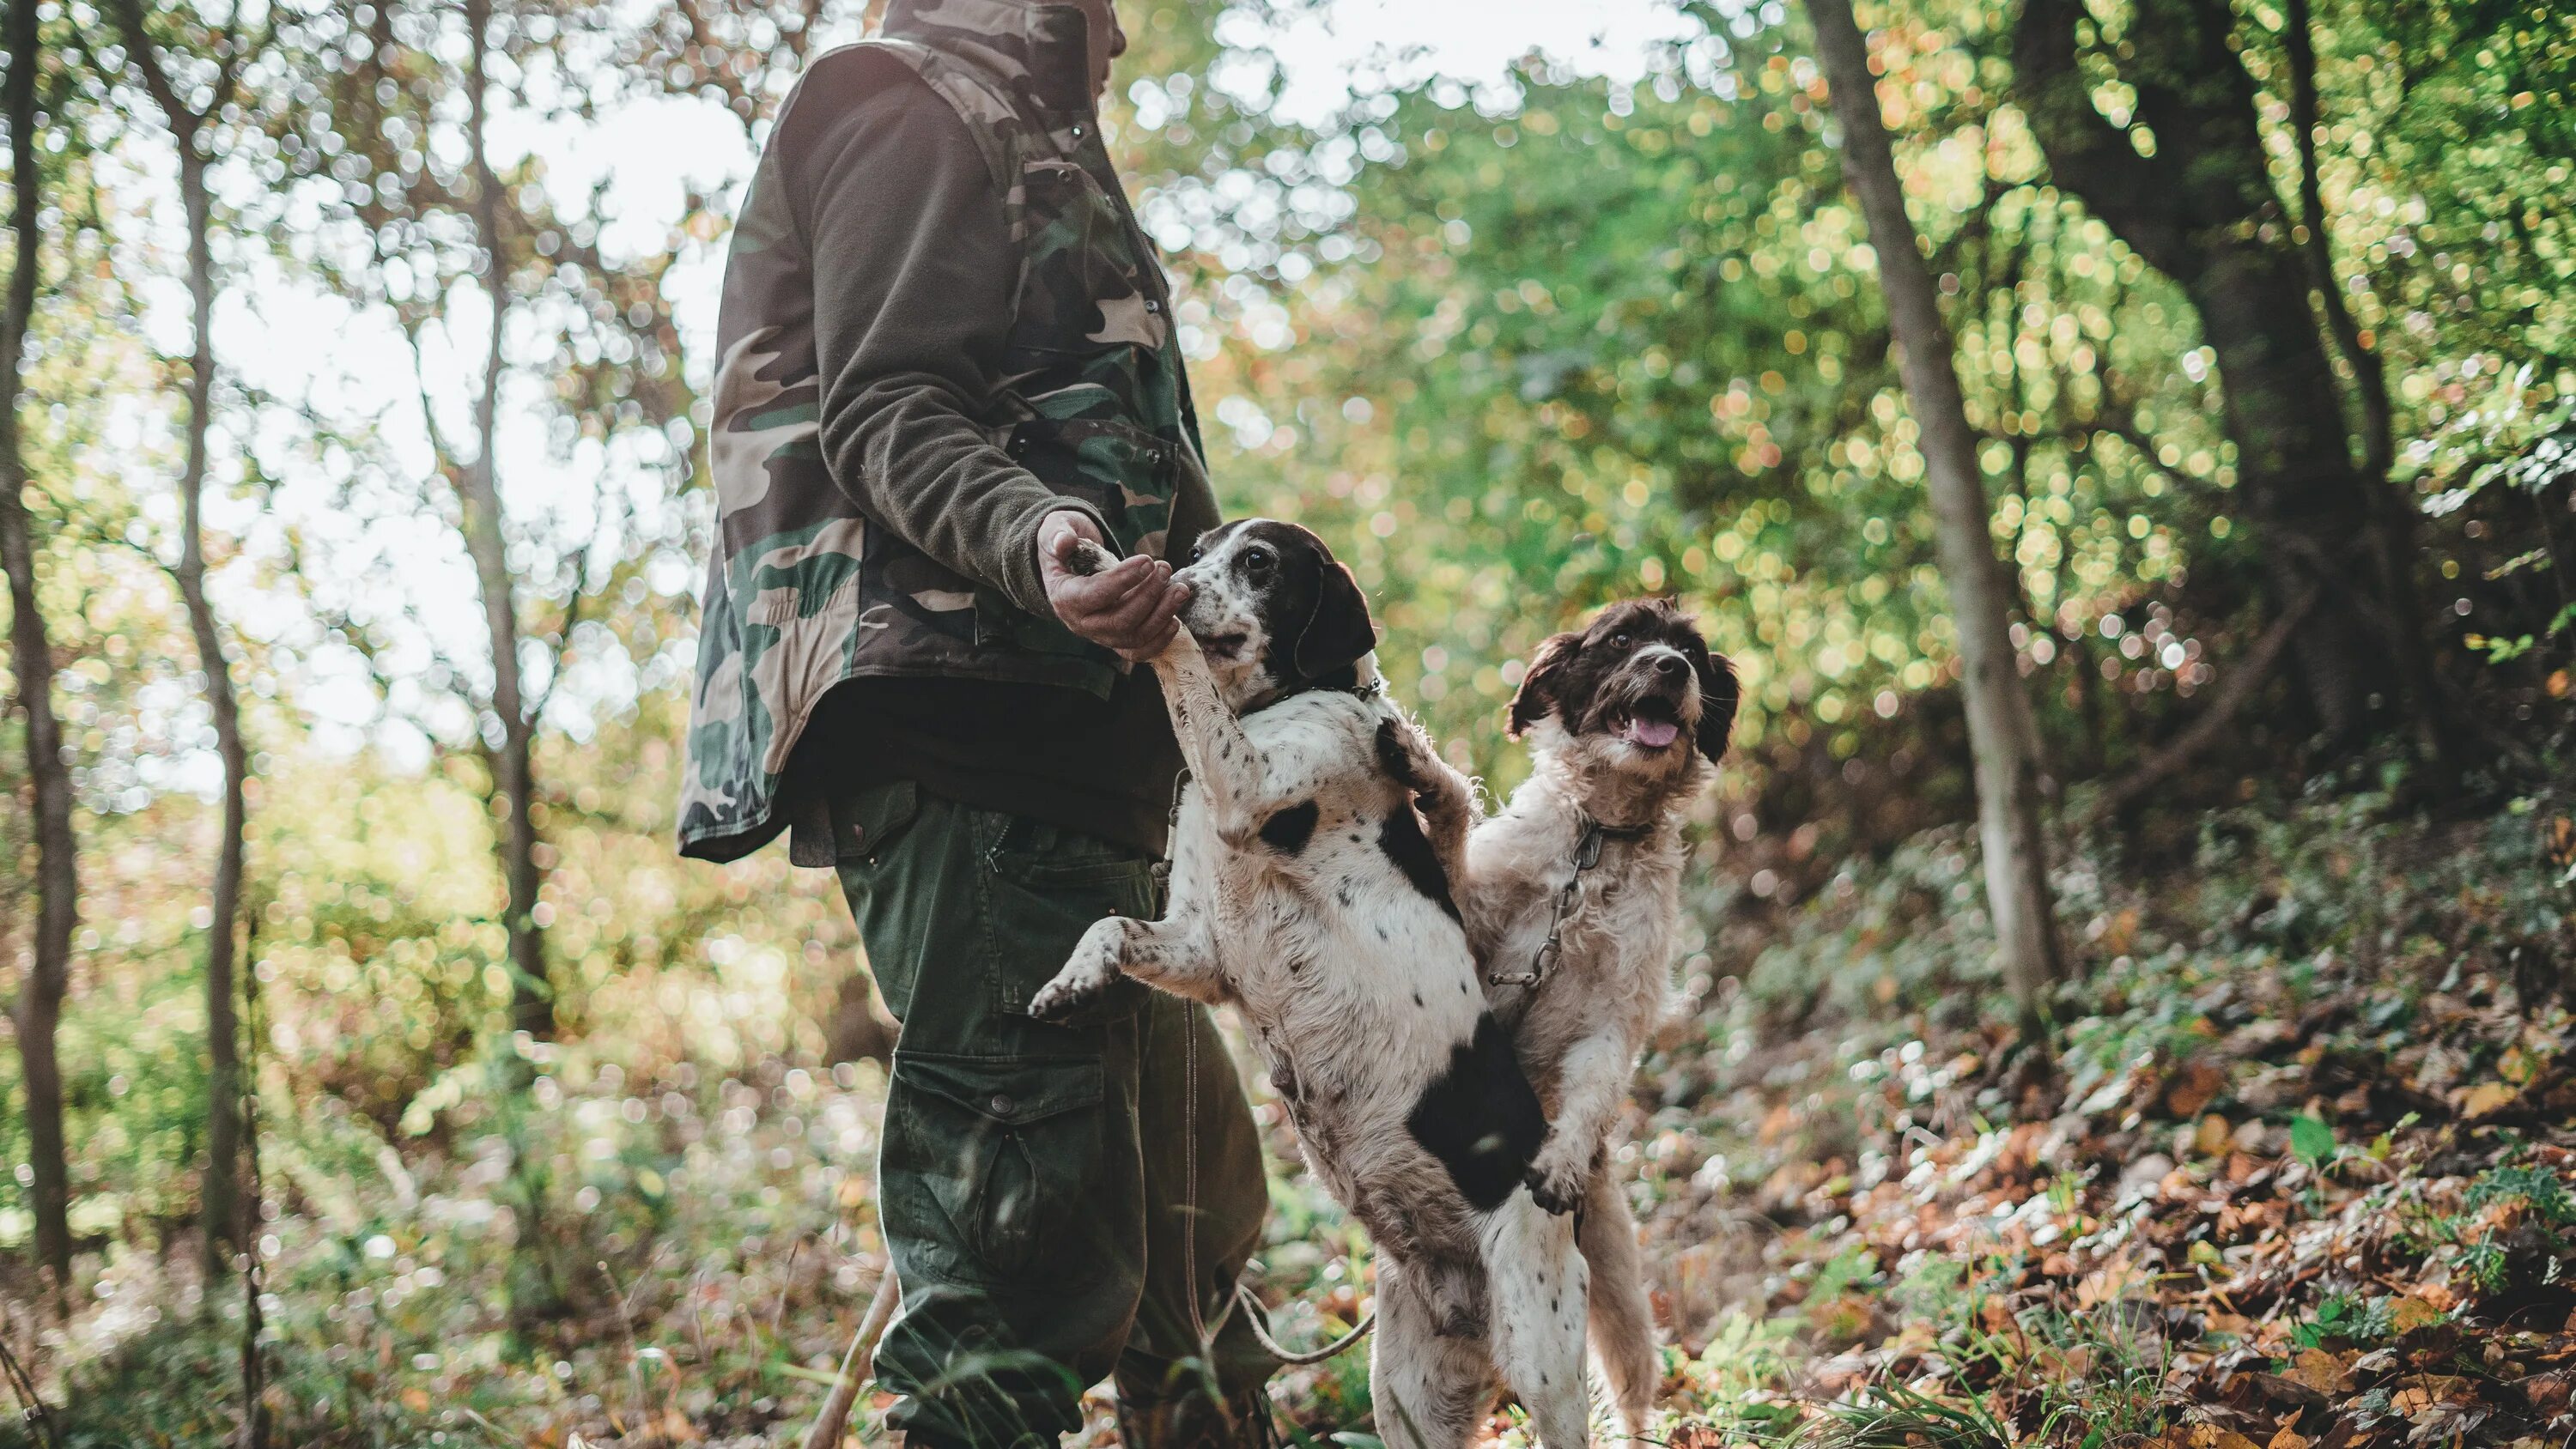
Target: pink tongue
<point>1654,734</point>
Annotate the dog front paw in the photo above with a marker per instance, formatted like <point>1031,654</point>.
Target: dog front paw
<point>1557,1187</point>
<point>1087,558</point>
<point>1071,991</point>
<point>1395,757</point>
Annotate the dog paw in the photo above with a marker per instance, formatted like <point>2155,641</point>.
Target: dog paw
<point>1556,1187</point>
<point>1065,995</point>
<point>1087,558</point>
<point>1395,756</point>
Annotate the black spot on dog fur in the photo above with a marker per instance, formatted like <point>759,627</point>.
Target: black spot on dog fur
<point>1405,844</point>
<point>1288,831</point>
<point>1481,1117</point>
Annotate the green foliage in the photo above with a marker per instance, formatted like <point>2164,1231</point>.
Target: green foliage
<point>2311,1139</point>
<point>1515,351</point>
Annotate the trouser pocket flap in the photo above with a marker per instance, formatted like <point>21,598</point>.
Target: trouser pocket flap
<point>992,1163</point>
<point>1013,1091</point>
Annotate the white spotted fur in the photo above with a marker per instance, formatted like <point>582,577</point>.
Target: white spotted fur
<point>1579,1031</point>
<point>1356,987</point>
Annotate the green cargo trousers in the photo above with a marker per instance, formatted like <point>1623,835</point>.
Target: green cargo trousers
<point>1032,1182</point>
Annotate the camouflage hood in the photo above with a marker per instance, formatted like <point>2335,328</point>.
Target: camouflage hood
<point>805,589</point>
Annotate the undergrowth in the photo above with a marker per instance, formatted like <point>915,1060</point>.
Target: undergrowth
<point>2300,1174</point>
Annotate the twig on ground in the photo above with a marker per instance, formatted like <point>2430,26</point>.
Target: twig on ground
<point>857,1366</point>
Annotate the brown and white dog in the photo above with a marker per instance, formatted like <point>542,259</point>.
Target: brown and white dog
<point>1306,894</point>
<point>1572,905</point>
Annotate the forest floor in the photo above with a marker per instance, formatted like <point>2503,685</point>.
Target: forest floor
<point>2300,1176</point>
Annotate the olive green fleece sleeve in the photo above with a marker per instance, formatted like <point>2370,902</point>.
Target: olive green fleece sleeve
<point>914,280</point>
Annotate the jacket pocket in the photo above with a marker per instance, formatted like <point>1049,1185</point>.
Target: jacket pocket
<point>1084,287</point>
<point>998,1160</point>
<point>866,822</point>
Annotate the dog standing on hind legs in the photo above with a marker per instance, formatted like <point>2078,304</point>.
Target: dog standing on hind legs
<point>1572,900</point>
<point>1307,894</point>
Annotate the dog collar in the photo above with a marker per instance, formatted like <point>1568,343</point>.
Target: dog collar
<point>1587,854</point>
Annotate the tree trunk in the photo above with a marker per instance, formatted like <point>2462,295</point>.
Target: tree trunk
<point>2202,210</point>
<point>219,1199</point>
<point>40,997</point>
<point>222,1193</point>
<point>2003,736</point>
<point>513,763</point>
<point>2393,547</point>
<point>533,1290</point>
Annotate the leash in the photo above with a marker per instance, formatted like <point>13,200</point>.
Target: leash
<point>1587,854</point>
<point>1255,1316</point>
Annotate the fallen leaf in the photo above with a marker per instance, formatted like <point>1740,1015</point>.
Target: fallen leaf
<point>2410,1312</point>
<point>2194,1086</point>
<point>2484,1098</point>
<point>2288,1438</point>
<point>2284,1389</point>
<point>2214,1137</point>
<point>2317,1369</point>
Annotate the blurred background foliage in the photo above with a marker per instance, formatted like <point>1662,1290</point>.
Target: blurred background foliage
<point>1515,344</point>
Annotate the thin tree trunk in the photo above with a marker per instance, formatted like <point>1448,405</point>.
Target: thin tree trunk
<point>532,1002</point>
<point>219,1200</point>
<point>533,1289</point>
<point>2003,736</point>
<point>253,1433</point>
<point>222,1193</point>
<point>40,997</point>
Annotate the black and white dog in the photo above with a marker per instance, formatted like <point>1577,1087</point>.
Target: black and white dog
<point>1572,898</point>
<point>1306,894</point>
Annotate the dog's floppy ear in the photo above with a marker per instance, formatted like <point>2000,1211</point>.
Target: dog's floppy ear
<point>1535,697</point>
<point>1339,631</point>
<point>1718,696</point>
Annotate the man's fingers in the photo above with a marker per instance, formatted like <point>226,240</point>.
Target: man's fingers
<point>1153,642</point>
<point>1137,612</point>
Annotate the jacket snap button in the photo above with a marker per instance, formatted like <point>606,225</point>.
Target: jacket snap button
<point>1003,1106</point>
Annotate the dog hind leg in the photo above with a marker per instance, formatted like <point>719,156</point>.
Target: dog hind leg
<point>1623,1323</point>
<point>1539,1288</point>
<point>1428,1390</point>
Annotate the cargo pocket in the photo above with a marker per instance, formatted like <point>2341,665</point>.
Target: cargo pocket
<point>1049,885</point>
<point>1005,1157</point>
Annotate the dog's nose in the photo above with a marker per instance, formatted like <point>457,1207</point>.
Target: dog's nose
<point>1671,667</point>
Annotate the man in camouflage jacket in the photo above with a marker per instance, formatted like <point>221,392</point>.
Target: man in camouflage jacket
<point>947,354</point>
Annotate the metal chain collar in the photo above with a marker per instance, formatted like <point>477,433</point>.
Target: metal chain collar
<point>1587,854</point>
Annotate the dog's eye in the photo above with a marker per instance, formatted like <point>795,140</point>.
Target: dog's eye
<point>1258,561</point>
<point>1619,639</point>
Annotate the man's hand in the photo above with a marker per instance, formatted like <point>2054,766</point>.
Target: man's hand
<point>1131,606</point>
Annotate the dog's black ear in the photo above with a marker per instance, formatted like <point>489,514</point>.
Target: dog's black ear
<point>1339,631</point>
<point>1535,697</point>
<point>1718,696</point>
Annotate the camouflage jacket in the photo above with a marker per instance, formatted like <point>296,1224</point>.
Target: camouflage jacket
<point>809,585</point>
